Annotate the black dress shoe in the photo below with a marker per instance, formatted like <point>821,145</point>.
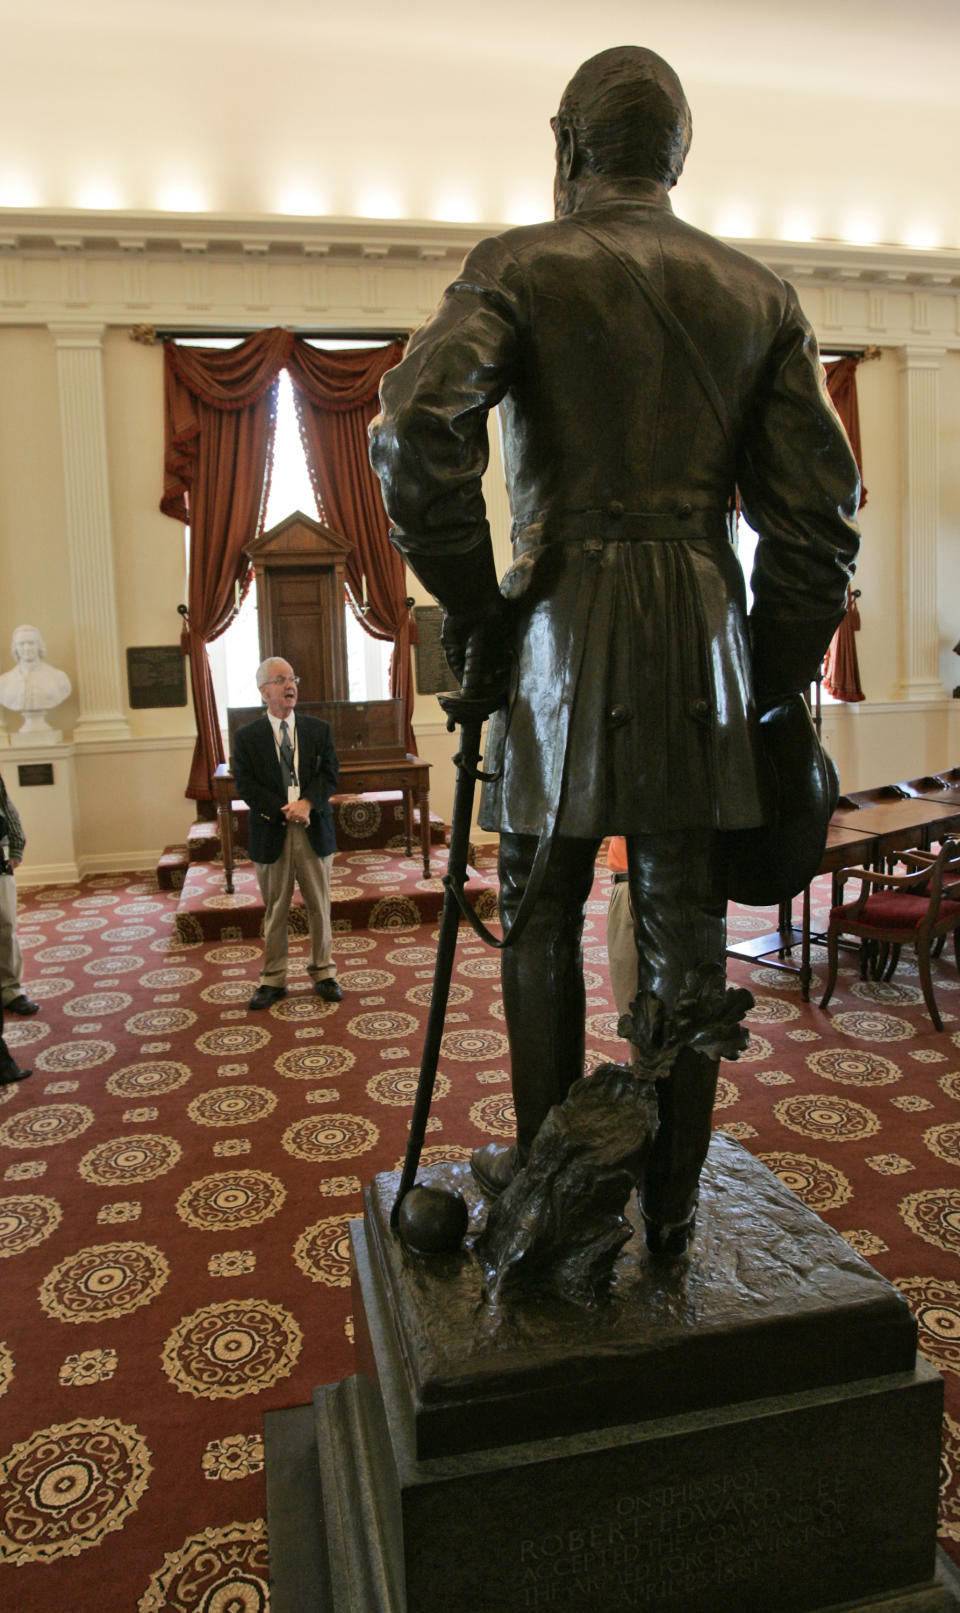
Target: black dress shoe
<point>10,1070</point>
<point>22,1005</point>
<point>329,990</point>
<point>265,995</point>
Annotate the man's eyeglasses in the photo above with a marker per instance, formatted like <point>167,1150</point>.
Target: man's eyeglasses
<point>280,682</point>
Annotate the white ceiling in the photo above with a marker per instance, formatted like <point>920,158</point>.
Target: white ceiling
<point>835,119</point>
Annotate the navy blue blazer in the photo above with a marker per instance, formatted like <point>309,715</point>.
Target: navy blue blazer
<point>256,769</point>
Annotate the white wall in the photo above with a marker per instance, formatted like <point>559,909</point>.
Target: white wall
<point>126,791</point>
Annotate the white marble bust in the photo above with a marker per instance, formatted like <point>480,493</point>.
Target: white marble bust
<point>33,686</point>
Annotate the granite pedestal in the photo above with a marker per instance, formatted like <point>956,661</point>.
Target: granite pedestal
<point>747,1429</point>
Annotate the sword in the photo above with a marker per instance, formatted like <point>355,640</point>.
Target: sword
<point>434,1219</point>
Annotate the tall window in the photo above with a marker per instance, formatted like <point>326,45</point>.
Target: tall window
<point>746,549</point>
<point>235,655</point>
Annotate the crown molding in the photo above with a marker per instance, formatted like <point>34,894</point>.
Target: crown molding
<point>43,230</point>
<point>209,272</point>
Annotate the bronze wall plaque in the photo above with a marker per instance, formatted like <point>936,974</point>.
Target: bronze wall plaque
<point>156,676</point>
<point>34,773</point>
<point>433,670</point>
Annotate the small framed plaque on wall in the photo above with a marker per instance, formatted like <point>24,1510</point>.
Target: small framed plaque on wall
<point>156,676</point>
<point>433,669</point>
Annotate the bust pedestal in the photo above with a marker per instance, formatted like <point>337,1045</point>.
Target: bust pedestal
<point>35,730</point>
<point>48,811</point>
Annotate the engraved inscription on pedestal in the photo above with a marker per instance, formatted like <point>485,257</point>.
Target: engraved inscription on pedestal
<point>671,1541</point>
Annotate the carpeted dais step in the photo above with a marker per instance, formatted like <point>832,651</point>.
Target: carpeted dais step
<point>203,841</point>
<point>376,890</point>
<point>172,866</point>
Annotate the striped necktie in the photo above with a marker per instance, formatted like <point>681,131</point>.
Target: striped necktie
<point>286,754</point>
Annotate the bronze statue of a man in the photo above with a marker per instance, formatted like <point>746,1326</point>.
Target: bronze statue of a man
<point>646,374</point>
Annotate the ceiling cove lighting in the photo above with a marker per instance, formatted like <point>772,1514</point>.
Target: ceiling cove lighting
<point>525,210</point>
<point>736,219</point>
<point>860,229</point>
<point>178,196</point>
<point>455,207</point>
<point>922,236</point>
<point>98,196</point>
<point>302,201</point>
<point>380,203</point>
<point>16,190</point>
<point>797,225</point>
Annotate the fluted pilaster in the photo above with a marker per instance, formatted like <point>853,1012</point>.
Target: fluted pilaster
<point>89,535</point>
<point>920,414</point>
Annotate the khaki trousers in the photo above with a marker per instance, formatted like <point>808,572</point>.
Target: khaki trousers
<point>622,952</point>
<point>298,863</point>
<point>11,958</point>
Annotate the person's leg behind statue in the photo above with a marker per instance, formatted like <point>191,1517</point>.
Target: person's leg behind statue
<point>678,895</point>
<point>622,950</point>
<point>543,993</point>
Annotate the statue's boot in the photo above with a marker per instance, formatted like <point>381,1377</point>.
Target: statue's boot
<point>670,1187</point>
<point>543,994</point>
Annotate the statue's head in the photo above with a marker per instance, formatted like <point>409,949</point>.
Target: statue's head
<point>27,645</point>
<point>622,116</point>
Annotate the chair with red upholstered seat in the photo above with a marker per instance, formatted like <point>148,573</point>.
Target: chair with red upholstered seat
<point>897,909</point>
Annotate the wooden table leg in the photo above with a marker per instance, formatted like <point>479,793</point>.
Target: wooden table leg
<point>408,817</point>
<point>225,824</point>
<point>805,946</point>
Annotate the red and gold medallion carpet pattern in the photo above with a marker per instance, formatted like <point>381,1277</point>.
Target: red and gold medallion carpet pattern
<point>177,1178</point>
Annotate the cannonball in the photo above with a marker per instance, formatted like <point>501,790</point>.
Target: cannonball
<point>432,1220</point>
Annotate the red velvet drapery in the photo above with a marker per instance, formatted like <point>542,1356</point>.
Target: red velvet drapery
<point>220,414</point>
<point>841,672</point>
<point>220,409</point>
<point>336,398</point>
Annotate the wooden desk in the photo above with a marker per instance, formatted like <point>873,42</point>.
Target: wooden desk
<point>408,774</point>
<point>900,825</point>
<point>845,848</point>
<point>943,787</point>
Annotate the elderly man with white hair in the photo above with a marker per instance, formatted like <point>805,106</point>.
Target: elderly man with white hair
<point>286,770</point>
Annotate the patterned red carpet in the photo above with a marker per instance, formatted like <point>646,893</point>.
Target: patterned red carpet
<point>177,1177</point>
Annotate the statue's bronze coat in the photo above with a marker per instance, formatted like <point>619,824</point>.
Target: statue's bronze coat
<point>608,435</point>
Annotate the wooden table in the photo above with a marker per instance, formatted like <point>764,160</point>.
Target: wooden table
<point>864,831</point>
<point>943,787</point>
<point>408,774</point>
<point>902,824</point>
